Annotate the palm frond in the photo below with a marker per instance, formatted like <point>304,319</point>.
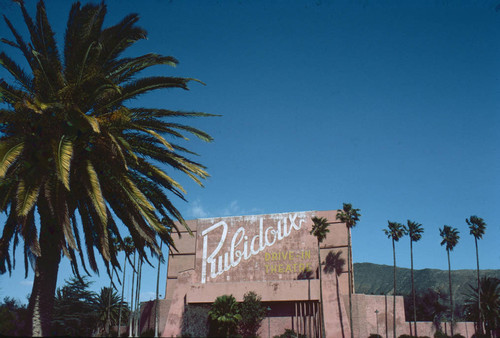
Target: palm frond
<point>63,160</point>
<point>95,193</point>
<point>15,70</point>
<point>8,155</point>
<point>26,197</point>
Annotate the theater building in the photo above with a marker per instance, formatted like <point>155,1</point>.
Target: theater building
<point>270,255</point>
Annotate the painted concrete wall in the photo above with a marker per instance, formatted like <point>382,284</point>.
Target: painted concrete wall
<point>265,254</point>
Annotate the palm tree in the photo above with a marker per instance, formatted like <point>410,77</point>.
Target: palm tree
<point>127,247</point>
<point>394,231</point>
<point>477,227</point>
<point>350,217</point>
<point>415,232</point>
<point>450,238</point>
<point>71,146</point>
<point>487,299</point>
<point>107,311</point>
<point>132,296</point>
<point>319,230</point>
<point>225,314</point>
<point>137,312</point>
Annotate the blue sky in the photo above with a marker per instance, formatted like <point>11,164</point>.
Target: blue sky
<point>392,106</point>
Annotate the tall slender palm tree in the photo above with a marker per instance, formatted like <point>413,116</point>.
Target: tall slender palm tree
<point>415,232</point>
<point>137,313</point>
<point>116,244</point>
<point>450,238</point>
<point>71,145</point>
<point>350,217</point>
<point>160,258</point>
<point>132,296</point>
<point>319,230</point>
<point>394,231</point>
<point>128,248</point>
<point>477,227</point>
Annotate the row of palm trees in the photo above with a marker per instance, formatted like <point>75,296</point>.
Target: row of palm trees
<point>395,231</point>
<point>450,236</point>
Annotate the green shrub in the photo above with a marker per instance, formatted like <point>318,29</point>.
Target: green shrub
<point>375,335</point>
<point>290,334</point>
<point>440,334</point>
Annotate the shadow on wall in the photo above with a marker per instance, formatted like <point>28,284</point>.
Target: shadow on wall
<point>335,264</point>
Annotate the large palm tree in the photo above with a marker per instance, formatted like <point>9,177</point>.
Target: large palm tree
<point>450,238</point>
<point>71,145</point>
<point>319,230</point>
<point>394,231</point>
<point>477,227</point>
<point>415,232</point>
<point>350,217</point>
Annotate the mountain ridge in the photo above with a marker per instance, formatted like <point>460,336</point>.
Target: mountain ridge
<point>377,279</point>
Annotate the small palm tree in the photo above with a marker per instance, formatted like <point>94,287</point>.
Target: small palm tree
<point>225,314</point>
<point>489,305</point>
<point>350,217</point>
<point>450,238</point>
<point>107,309</point>
<point>477,227</point>
<point>319,230</point>
<point>394,231</point>
<point>415,232</point>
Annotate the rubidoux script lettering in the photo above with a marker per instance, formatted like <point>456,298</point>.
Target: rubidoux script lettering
<point>241,246</point>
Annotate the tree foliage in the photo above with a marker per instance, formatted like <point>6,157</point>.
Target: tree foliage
<point>224,316</point>
<point>74,309</point>
<point>79,311</point>
<point>252,313</point>
<point>490,303</point>
<point>13,318</point>
<point>73,150</point>
<point>105,304</point>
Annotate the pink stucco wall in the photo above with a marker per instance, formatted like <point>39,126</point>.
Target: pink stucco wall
<point>264,254</point>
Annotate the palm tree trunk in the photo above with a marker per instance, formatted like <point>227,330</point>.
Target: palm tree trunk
<point>349,272</point>
<point>108,314</point>
<point>157,290</point>
<point>138,300</point>
<point>41,301</point>
<point>413,291</point>
<point>480,319</point>
<point>131,315</point>
<point>323,331</point>
<point>451,295</point>
<point>394,292</point>
<point>121,299</point>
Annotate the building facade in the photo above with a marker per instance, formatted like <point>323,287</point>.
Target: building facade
<point>275,256</point>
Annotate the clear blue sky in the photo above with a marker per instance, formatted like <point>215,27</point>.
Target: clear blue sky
<point>392,106</point>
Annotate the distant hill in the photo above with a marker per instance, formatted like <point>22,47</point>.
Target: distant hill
<point>377,279</point>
